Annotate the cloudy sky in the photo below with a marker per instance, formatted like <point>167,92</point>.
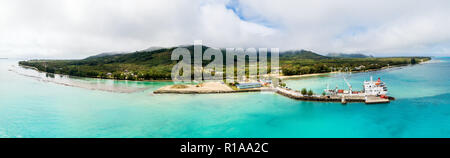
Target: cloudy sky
<point>80,28</point>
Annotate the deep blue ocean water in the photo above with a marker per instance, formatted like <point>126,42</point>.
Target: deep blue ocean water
<point>31,107</point>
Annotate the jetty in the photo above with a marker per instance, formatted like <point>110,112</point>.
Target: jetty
<point>376,100</point>
<point>206,88</point>
<point>332,98</point>
<point>211,88</point>
<point>374,92</point>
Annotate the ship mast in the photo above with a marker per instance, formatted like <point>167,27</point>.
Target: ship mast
<point>348,84</point>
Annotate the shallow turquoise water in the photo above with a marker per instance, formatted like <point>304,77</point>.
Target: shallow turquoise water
<point>33,108</point>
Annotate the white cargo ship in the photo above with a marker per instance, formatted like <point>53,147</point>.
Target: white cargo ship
<point>376,88</point>
<point>372,89</point>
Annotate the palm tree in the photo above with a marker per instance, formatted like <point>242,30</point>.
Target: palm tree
<point>304,91</point>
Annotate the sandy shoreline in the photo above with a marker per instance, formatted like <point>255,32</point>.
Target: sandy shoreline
<point>306,75</point>
<point>328,73</point>
<point>78,84</point>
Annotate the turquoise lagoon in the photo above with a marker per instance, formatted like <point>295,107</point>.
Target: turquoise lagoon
<point>38,107</point>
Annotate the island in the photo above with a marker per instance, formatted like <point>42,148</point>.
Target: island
<point>156,64</point>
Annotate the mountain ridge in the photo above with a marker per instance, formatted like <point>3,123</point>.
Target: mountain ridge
<point>305,54</point>
<point>348,55</point>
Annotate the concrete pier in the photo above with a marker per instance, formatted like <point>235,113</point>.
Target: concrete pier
<point>375,100</point>
<point>343,99</point>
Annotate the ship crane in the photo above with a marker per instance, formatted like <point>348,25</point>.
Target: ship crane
<point>348,84</point>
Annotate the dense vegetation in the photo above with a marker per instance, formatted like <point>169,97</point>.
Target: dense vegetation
<point>156,64</point>
<point>308,66</point>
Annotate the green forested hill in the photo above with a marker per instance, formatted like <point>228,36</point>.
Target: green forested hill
<point>301,54</point>
<point>156,64</point>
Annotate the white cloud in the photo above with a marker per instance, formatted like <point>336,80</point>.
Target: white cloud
<point>79,28</point>
<point>388,28</point>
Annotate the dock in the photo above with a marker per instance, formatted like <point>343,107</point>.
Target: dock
<point>161,91</point>
<point>217,87</point>
<point>376,100</point>
<point>287,93</point>
<point>206,88</point>
<point>328,98</point>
